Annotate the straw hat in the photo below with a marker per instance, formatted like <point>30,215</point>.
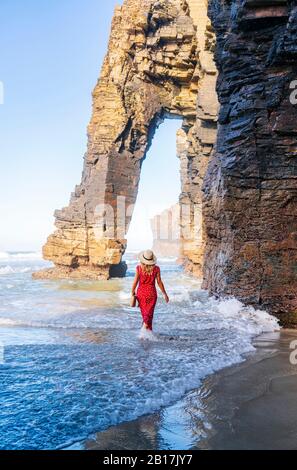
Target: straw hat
<point>148,257</point>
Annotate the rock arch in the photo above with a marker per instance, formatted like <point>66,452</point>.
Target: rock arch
<point>159,63</point>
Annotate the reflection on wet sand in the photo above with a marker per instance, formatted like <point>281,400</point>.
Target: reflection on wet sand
<point>88,336</point>
<point>114,285</point>
<point>139,434</point>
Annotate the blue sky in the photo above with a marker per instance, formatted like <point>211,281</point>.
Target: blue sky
<point>51,55</point>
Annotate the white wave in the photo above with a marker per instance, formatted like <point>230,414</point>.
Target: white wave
<point>180,296</point>
<point>167,260</point>
<point>132,262</point>
<point>9,322</point>
<point>124,296</point>
<point>146,334</point>
<point>132,252</point>
<point>20,256</point>
<point>13,270</point>
<point>246,318</point>
<point>6,270</point>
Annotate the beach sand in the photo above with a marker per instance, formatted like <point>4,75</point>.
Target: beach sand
<point>247,406</point>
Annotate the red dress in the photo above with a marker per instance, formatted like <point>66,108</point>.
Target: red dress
<point>147,294</point>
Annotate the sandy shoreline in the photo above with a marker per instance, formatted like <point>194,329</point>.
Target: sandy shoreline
<point>247,406</point>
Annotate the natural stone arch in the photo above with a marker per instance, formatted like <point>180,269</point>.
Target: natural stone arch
<point>159,64</point>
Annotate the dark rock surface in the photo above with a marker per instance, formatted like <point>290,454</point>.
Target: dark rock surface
<point>250,189</point>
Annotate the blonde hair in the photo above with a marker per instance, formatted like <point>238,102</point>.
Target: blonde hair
<point>147,269</point>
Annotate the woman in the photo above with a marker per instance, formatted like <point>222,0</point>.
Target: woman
<point>147,273</point>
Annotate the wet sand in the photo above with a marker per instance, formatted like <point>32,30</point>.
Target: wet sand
<point>252,405</point>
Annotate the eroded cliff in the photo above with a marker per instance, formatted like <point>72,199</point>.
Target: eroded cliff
<point>251,185</point>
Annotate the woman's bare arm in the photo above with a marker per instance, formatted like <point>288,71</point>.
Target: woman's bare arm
<point>162,288</point>
<point>135,283</point>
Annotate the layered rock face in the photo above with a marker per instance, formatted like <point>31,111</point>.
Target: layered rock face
<point>159,64</point>
<point>250,209</point>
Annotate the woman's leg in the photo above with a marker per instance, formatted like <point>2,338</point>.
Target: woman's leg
<point>147,312</point>
<point>149,322</point>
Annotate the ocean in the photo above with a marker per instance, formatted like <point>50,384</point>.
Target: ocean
<point>72,362</point>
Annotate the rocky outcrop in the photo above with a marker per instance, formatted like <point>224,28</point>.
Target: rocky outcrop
<point>159,64</point>
<point>195,144</point>
<point>242,233</point>
<point>166,233</point>
<point>250,209</point>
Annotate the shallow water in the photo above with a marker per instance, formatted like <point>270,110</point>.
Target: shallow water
<point>74,363</point>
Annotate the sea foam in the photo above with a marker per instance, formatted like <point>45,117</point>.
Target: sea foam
<point>20,256</point>
<point>5,270</point>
